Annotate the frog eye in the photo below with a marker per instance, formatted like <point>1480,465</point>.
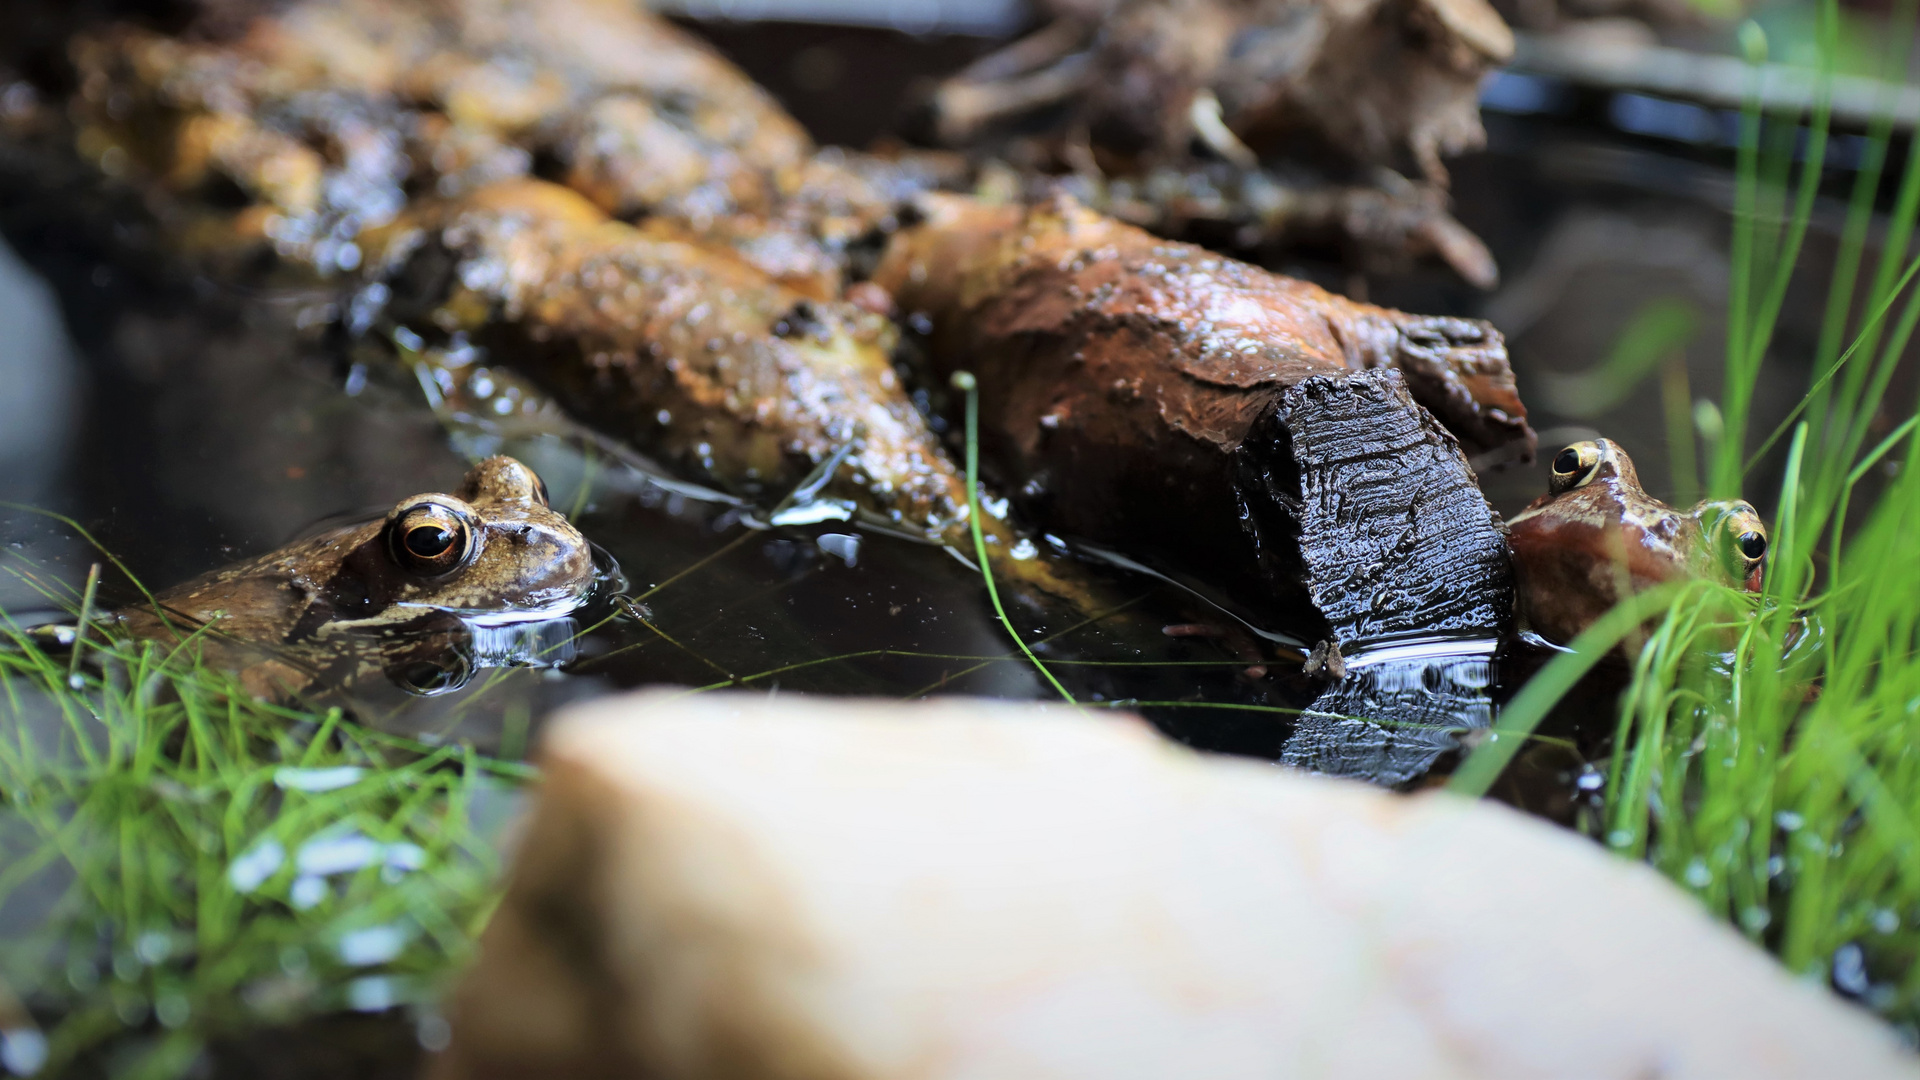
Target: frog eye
<point>540,492</point>
<point>1573,467</point>
<point>430,539</point>
<point>1738,539</point>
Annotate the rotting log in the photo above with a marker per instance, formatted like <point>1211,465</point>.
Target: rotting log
<point>1159,398</point>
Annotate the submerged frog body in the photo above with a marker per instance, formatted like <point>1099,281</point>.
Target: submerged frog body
<point>403,593</point>
<point>1597,537</point>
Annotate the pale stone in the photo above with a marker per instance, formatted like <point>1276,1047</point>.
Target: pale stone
<point>818,889</point>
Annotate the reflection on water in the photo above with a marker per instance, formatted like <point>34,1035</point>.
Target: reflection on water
<point>39,402</point>
<point>1397,711</point>
<point>38,407</point>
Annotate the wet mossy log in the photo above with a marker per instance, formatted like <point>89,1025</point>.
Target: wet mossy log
<point>1276,440</point>
<point>683,349</point>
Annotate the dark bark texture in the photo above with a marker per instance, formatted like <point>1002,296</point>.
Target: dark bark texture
<point>1394,535</point>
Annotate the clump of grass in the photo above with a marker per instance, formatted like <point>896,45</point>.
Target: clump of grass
<point>180,862</point>
<point>1764,752</point>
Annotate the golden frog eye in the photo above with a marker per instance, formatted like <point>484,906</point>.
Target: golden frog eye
<point>1573,467</point>
<point>1737,539</point>
<point>430,540</point>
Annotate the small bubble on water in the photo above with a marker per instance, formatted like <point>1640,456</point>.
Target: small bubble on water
<point>23,1051</point>
<point>372,945</point>
<point>338,854</point>
<point>255,866</point>
<point>1023,550</point>
<point>1885,921</point>
<point>434,1033</point>
<point>1850,970</point>
<point>153,947</point>
<point>317,780</point>
<point>1590,781</point>
<point>307,892</point>
<point>82,975</point>
<point>402,858</point>
<point>372,993</point>
<point>172,1010</point>
<point>1788,821</point>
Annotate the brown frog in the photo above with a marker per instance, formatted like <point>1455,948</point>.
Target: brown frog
<point>1597,537</point>
<point>402,594</point>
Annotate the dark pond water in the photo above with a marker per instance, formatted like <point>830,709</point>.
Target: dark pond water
<point>185,426</point>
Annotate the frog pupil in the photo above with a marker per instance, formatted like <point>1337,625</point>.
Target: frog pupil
<point>1752,545</point>
<point>429,541</point>
<point>1568,461</point>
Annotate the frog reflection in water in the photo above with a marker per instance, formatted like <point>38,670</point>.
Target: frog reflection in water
<point>1597,537</point>
<point>403,595</point>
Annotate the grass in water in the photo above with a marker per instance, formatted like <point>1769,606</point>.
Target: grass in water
<point>180,862</point>
<point>1764,750</point>
<point>965,382</point>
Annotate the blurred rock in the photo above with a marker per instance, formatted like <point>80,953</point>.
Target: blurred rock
<point>811,888</point>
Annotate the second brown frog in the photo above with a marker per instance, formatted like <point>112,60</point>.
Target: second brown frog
<point>1597,537</point>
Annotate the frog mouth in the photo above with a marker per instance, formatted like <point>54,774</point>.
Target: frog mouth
<point>495,617</point>
<point>558,601</point>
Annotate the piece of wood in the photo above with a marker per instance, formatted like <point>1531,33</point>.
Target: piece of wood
<point>1394,535</point>
<point>1148,396</point>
